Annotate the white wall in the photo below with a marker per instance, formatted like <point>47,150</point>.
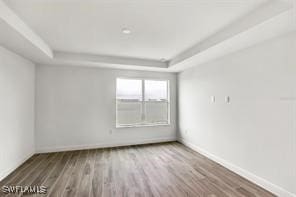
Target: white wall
<point>256,132</point>
<point>17,87</point>
<point>75,108</point>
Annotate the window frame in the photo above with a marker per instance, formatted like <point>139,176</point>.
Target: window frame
<point>143,104</point>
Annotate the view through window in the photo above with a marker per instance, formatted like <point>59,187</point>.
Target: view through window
<point>142,102</point>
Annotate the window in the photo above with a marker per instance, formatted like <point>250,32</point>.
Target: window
<point>142,102</point>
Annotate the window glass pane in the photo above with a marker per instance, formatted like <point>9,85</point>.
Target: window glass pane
<point>156,102</point>
<point>129,89</point>
<point>129,101</point>
<point>156,90</point>
<point>129,112</point>
<point>156,112</point>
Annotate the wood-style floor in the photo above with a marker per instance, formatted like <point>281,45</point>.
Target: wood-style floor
<point>167,169</point>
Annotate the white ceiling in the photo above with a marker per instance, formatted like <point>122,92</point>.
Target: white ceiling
<point>160,28</point>
<point>184,32</point>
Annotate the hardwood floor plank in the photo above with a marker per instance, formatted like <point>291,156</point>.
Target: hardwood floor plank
<point>25,176</point>
<point>22,171</point>
<point>17,171</point>
<point>29,181</point>
<point>97,180</point>
<point>72,186</point>
<point>62,181</point>
<point>88,171</point>
<point>155,170</point>
<point>47,170</point>
<point>57,170</point>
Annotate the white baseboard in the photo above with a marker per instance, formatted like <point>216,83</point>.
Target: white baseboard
<point>14,167</point>
<point>244,173</point>
<point>103,145</point>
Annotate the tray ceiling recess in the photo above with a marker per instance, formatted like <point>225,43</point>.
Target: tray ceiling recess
<point>166,36</point>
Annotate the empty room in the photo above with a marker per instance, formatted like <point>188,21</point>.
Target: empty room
<point>148,98</point>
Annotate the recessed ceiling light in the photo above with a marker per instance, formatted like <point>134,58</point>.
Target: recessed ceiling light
<point>126,31</point>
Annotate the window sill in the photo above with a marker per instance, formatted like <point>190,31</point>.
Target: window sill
<point>141,125</point>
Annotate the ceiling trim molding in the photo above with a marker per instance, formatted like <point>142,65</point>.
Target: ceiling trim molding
<point>273,10</point>
<point>94,58</point>
<point>9,17</point>
<point>263,13</point>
